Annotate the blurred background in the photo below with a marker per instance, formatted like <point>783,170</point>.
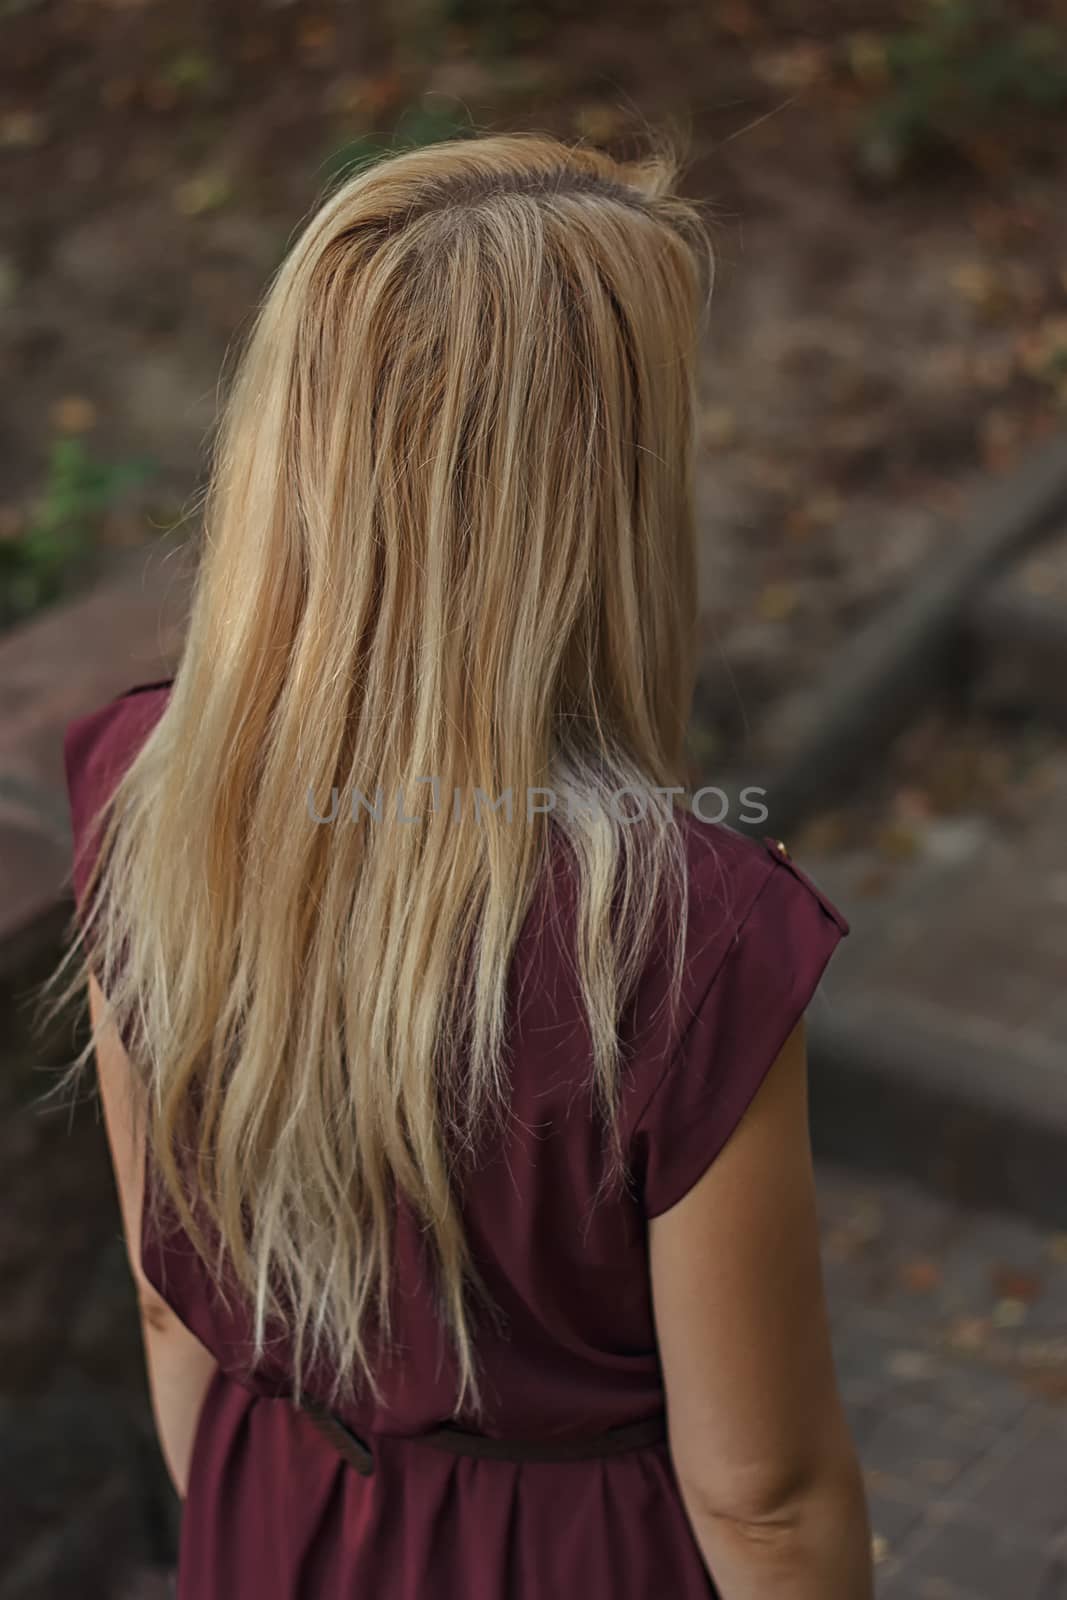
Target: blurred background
<point>882,488</point>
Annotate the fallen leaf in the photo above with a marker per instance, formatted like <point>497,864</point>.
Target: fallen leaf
<point>1009,1313</point>
<point>824,507</point>
<point>920,1276</point>
<point>992,369</point>
<point>382,91</point>
<point>997,224</point>
<point>824,834</point>
<point>1049,1385</point>
<point>798,67</point>
<point>1044,347</point>
<point>910,805</point>
<point>160,94</point>
<point>345,95</point>
<point>317,34</point>
<point>207,192</point>
<point>1049,1352</point>
<point>21,130</point>
<point>814,513</point>
<point>74,414</point>
<point>736,17</point>
<point>776,602</point>
<point>898,842</point>
<point>192,72</point>
<point>969,1333</point>
<point>981,286</point>
<point>838,1244</point>
<point>598,121</point>
<point>867,58</point>
<point>1011,1284</point>
<point>718,427</point>
<point>911,1365</point>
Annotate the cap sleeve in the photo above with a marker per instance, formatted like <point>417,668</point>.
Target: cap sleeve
<point>756,996</point>
<point>97,750</point>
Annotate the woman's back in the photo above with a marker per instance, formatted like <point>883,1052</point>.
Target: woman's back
<point>569,1349</point>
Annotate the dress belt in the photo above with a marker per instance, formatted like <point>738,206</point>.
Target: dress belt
<point>357,1452</point>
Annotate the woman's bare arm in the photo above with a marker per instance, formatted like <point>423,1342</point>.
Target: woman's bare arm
<point>758,1438</point>
<point>179,1367</point>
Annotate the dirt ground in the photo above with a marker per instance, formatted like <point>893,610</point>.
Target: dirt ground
<point>890,314</point>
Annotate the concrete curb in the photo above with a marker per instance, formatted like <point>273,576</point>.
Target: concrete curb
<point>939,1038</point>
<point>66,662</point>
<point>1019,643</point>
<point>888,1096</point>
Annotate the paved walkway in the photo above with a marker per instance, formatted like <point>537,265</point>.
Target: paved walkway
<point>951,1336</point>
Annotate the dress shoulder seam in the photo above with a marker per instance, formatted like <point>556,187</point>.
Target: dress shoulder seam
<point>678,1044</point>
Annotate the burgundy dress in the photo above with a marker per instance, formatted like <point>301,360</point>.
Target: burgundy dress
<point>273,1512</point>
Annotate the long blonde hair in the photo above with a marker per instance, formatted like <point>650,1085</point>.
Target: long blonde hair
<point>449,534</point>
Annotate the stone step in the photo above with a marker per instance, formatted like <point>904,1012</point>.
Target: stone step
<point>820,739</point>
<point>939,1039</point>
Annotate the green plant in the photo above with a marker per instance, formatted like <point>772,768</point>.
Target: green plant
<point>425,122</point>
<point>192,72</point>
<point>38,564</point>
<point>498,27</point>
<point>965,63</point>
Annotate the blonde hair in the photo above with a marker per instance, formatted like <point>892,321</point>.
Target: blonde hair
<point>449,533</point>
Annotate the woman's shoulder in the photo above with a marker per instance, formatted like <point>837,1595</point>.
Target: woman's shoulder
<point>728,871</point>
<point>751,909</point>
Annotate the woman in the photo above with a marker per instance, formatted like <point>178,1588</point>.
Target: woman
<point>461,1139</point>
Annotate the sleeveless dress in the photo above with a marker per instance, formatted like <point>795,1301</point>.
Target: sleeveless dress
<point>273,1511</point>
